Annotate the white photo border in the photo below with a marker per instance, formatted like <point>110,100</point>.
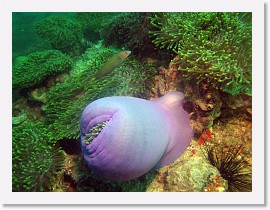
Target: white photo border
<point>257,196</point>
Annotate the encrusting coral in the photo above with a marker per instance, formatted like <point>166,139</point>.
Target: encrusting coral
<point>212,46</point>
<point>35,158</point>
<point>37,66</point>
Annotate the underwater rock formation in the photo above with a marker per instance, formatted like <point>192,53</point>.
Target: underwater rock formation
<point>139,135</point>
<point>192,174</point>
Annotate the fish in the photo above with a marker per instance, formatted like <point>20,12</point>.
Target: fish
<point>115,61</point>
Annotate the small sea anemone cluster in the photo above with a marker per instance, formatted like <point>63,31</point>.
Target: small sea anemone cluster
<point>37,66</point>
<point>63,33</point>
<point>67,100</point>
<point>36,160</point>
<point>213,46</point>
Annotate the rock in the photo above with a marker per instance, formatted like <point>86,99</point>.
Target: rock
<point>236,105</point>
<point>191,172</point>
<point>19,119</point>
<point>20,59</point>
<point>206,103</point>
<point>39,95</point>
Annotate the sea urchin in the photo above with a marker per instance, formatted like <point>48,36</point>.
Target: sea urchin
<point>231,166</point>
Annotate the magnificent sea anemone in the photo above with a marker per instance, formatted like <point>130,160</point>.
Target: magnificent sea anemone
<point>124,137</point>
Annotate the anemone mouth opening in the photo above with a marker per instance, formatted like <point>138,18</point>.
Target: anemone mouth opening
<point>93,132</point>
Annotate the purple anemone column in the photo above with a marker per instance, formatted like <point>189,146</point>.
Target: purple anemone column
<point>123,137</point>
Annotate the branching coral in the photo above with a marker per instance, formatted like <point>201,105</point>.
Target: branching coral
<point>37,66</point>
<point>215,47</point>
<point>35,158</point>
<point>67,100</point>
<point>63,33</point>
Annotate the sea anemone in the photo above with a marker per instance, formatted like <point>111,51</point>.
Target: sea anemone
<point>36,160</point>
<point>123,138</point>
<point>215,47</point>
<point>63,33</point>
<point>67,100</point>
<point>37,66</point>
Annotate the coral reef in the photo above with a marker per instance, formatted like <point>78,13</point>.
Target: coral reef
<point>215,47</point>
<point>240,106</point>
<point>219,161</point>
<point>63,33</point>
<point>24,111</point>
<point>35,158</point>
<point>202,101</point>
<point>77,176</point>
<point>132,78</point>
<point>209,57</point>
<point>168,79</point>
<point>38,66</point>
<point>19,119</point>
<point>216,184</point>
